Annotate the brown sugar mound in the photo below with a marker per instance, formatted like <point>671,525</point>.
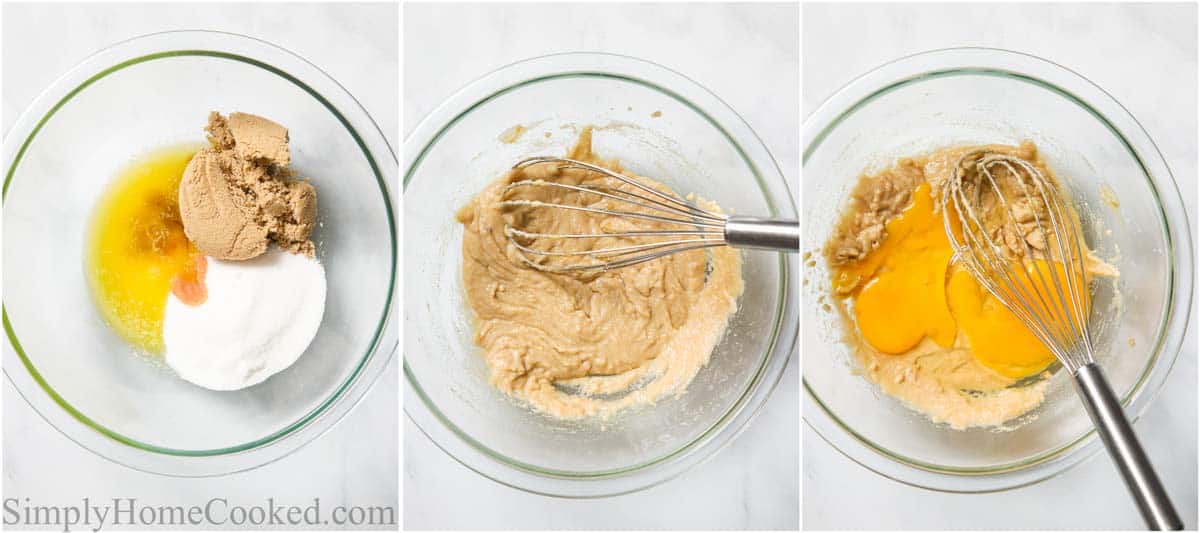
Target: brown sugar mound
<point>237,195</point>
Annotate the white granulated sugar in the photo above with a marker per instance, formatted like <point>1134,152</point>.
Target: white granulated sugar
<point>260,315</point>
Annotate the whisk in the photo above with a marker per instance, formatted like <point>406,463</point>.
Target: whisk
<point>691,227</point>
<point>990,195</point>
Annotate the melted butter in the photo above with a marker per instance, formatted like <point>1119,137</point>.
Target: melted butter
<point>902,296</point>
<point>136,249</point>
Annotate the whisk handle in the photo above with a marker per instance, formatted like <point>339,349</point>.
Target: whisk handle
<point>769,233</point>
<point>1125,450</point>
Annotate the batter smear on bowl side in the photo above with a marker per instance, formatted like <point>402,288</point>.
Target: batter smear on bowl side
<point>579,344</point>
<point>919,324</point>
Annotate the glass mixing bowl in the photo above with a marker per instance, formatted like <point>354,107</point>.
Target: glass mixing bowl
<point>659,124</point>
<point>68,146</point>
<point>1099,152</point>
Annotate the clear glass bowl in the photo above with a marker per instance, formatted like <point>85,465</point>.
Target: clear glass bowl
<point>1097,148</point>
<point>696,144</point>
<point>67,147</point>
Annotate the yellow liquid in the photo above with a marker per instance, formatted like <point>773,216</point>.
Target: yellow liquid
<point>136,245</point>
<point>902,296</point>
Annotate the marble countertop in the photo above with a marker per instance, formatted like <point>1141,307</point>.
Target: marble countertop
<point>355,463</point>
<point>1145,56</point>
<point>747,55</point>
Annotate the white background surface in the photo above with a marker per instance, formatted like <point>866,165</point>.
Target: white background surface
<point>1145,56</point>
<point>747,55</point>
<point>355,463</point>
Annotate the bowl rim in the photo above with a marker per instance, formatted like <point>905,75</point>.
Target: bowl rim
<point>175,462</point>
<point>545,481</point>
<point>1038,71</point>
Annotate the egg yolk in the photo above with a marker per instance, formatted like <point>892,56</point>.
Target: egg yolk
<point>997,338</point>
<point>903,299</point>
<point>907,290</point>
<point>137,251</point>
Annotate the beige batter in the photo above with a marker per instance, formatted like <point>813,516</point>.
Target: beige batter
<point>948,384</point>
<point>588,344</point>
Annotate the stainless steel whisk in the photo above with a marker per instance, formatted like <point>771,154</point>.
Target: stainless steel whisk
<point>1053,307</point>
<point>698,228</point>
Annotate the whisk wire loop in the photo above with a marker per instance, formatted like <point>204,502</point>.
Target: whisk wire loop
<point>571,163</point>
<point>644,233</point>
<point>698,228</point>
<point>602,211</point>
<point>981,251</point>
<point>618,195</point>
<point>615,251</point>
<point>1052,306</point>
<point>1060,325</point>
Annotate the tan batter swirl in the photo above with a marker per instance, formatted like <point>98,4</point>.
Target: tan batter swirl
<point>573,345</point>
